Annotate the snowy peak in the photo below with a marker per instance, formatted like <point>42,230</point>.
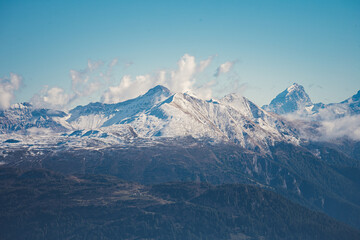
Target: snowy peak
<point>295,88</point>
<point>95,115</point>
<point>158,90</point>
<point>293,99</point>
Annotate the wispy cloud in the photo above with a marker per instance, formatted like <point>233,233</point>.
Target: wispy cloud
<point>224,68</point>
<point>84,82</point>
<point>97,75</point>
<point>8,87</point>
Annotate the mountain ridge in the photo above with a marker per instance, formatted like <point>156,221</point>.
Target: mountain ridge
<point>161,113</point>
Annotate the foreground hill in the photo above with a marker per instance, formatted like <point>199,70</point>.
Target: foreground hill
<point>326,181</point>
<point>40,204</point>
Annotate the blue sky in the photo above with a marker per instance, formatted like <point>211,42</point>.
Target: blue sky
<point>269,45</point>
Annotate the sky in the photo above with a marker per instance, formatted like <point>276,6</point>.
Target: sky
<point>63,53</point>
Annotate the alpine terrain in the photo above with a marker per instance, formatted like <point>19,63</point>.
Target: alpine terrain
<point>173,165</point>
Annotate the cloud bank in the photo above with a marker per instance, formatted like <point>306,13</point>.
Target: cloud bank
<point>8,87</point>
<point>346,126</point>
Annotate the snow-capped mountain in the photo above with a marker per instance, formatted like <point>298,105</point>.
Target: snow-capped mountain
<point>293,99</point>
<point>348,107</point>
<point>353,103</point>
<point>96,115</point>
<point>162,114</point>
<point>158,113</point>
<point>23,116</point>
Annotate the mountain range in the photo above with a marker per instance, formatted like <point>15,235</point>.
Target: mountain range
<point>161,113</point>
<point>162,137</point>
<point>157,114</point>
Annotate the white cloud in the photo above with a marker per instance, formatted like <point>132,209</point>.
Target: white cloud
<point>224,68</point>
<point>54,97</point>
<point>8,86</point>
<point>204,64</point>
<point>84,82</point>
<point>128,88</point>
<point>346,126</point>
<point>96,76</point>
<point>205,91</point>
<point>180,80</point>
<point>327,125</point>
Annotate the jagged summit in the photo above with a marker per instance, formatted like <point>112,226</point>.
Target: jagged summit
<point>158,89</point>
<point>95,115</point>
<point>291,100</point>
<point>295,101</point>
<point>295,87</point>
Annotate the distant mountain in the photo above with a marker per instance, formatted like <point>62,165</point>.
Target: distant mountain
<point>353,103</point>
<point>23,116</point>
<point>294,100</point>
<point>291,100</point>
<point>348,107</point>
<point>40,204</point>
